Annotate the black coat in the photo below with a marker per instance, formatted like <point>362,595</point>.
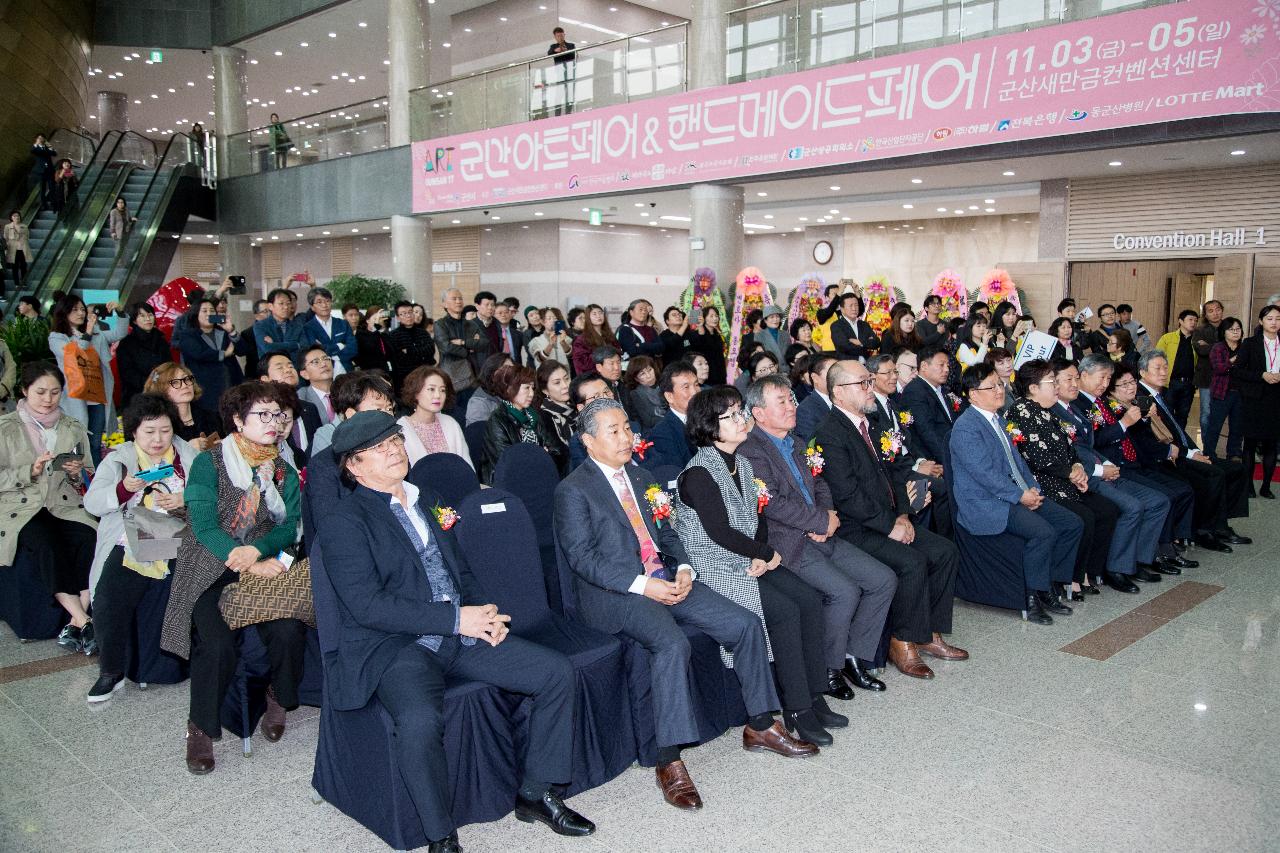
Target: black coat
<point>137,355</point>
<point>860,481</point>
<point>842,335</point>
<point>932,427</point>
<point>502,431</point>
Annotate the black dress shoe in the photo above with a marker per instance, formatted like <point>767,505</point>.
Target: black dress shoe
<point>1209,542</point>
<point>1179,561</point>
<point>1163,568</point>
<point>1230,537</point>
<point>1121,583</point>
<point>448,844</point>
<point>804,725</point>
<point>1267,493</point>
<point>1053,604</point>
<point>1093,589</point>
<point>858,676</point>
<point>1033,612</point>
<point>552,811</point>
<point>1144,575</point>
<point>836,686</point>
<point>826,717</point>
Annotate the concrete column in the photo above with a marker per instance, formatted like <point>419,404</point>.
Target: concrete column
<point>1054,200</point>
<point>230,94</point>
<point>235,257</point>
<point>411,257</point>
<point>408,48</point>
<point>113,112</point>
<point>707,53</point>
<point>716,219</point>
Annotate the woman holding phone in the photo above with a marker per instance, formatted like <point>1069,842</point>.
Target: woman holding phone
<point>45,466</point>
<point>208,348</point>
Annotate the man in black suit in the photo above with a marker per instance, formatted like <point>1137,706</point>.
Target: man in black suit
<point>510,335</point>
<point>678,384</point>
<point>410,620</point>
<point>632,578</point>
<point>814,408</point>
<point>852,337</point>
<point>888,418</point>
<point>856,588</point>
<point>1220,486</point>
<point>278,367</point>
<point>584,388</point>
<point>873,504</point>
<point>933,409</point>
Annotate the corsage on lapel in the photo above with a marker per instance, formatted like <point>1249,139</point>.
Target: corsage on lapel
<point>659,504</point>
<point>445,516</point>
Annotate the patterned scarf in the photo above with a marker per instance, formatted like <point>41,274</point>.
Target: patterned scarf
<point>526,420</point>
<point>257,458</point>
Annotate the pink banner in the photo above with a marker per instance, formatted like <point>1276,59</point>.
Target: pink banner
<point>1180,61</point>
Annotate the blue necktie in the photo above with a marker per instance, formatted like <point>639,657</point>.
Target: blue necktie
<point>1173,422</point>
<point>1014,472</point>
<point>442,586</point>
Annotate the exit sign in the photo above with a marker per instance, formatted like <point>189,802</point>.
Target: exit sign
<point>595,216</point>
<point>157,56</point>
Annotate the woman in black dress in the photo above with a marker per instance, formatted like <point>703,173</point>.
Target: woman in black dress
<point>1257,372</point>
<point>705,339</point>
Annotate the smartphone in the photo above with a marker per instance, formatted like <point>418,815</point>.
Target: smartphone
<point>695,316</point>
<point>63,458</point>
<point>217,319</point>
<point>559,327</point>
<point>156,474</point>
<point>237,284</point>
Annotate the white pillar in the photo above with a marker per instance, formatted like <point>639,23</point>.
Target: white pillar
<point>715,213</point>
<point>231,116</point>
<point>408,48</point>
<point>113,112</point>
<point>707,52</point>
<point>411,257</point>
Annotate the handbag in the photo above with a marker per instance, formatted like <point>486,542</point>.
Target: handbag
<point>152,535</point>
<point>83,370</point>
<point>252,599</point>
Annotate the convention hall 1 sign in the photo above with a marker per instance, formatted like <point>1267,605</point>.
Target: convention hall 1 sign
<point>1179,61</point>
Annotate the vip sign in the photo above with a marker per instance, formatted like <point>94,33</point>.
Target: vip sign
<point>1215,238</point>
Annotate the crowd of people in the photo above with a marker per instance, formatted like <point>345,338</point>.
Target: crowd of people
<point>806,507</point>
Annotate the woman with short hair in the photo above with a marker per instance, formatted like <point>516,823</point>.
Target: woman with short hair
<point>516,421</point>
<point>143,350</point>
<point>427,392</point>
<point>195,424</point>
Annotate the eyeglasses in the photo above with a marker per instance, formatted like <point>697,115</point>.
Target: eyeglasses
<point>316,362</point>
<point>987,388</point>
<point>175,384</point>
<point>1127,383</point>
<point>735,415</point>
<point>267,417</point>
<point>886,373</point>
<point>387,447</point>
<point>865,383</point>
<point>606,394</point>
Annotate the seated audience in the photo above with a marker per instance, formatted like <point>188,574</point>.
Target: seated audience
<point>643,400</point>
<point>933,407</point>
<point>427,392</point>
<point>487,398</point>
<point>814,408</point>
<point>516,421</point>
<point>584,388</point>
<point>317,368</point>
<point>972,346</point>
<point>552,401</point>
<point>304,417</point>
<point>196,424</point>
<point>411,617</point>
<point>671,445</point>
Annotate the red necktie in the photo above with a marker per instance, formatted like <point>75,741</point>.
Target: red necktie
<point>1126,445</point>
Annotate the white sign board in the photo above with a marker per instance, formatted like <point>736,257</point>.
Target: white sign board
<point>1036,345</point>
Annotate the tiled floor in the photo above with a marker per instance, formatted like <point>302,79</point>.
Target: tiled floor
<point>1171,743</point>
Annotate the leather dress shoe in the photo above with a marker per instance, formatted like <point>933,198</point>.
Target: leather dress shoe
<point>1076,594</point>
<point>1144,575</point>
<point>676,786</point>
<point>199,750</point>
<point>805,726</point>
<point>1121,583</point>
<point>856,675</point>
<point>836,686</point>
<point>1033,611</point>
<point>906,657</point>
<point>448,844</point>
<point>1228,536</point>
<point>1179,561</point>
<point>1209,542</point>
<point>941,649</point>
<point>1163,568</point>
<point>1267,493</point>
<point>776,740</point>
<point>273,719</point>
<point>552,811</point>
<point>1052,604</point>
<point>826,717</point>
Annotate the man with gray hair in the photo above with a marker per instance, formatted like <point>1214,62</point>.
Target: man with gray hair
<point>857,589</point>
<point>632,578</point>
<point>330,331</point>
<point>459,342</point>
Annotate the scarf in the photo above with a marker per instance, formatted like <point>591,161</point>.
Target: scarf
<point>36,425</point>
<point>526,420</point>
<point>156,569</point>
<point>250,467</point>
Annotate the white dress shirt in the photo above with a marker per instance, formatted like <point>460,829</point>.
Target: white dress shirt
<point>637,585</point>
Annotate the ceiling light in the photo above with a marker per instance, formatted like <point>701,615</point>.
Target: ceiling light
<point>988,201</point>
<point>1115,163</point>
<point>155,96</point>
<point>273,237</point>
<point>652,222</point>
<point>586,210</point>
<point>333,35</point>
<point>495,218</point>
<point>643,215</point>
<point>386,227</point>
<point>1238,152</point>
<point>279,53</point>
<point>762,194</point>
<point>834,189</point>
<point>942,210</point>
<point>833,210</point>
<point>958,212</point>
<point>845,219</point>
<point>917,180</point>
<point>386,62</point>
<point>768,216</point>
<point>504,20</point>
<point>989,209</point>
<point>973,207</point>
<point>675,218</point>
<point>446,44</point>
<point>303,44</point>
<point>325,233</point>
<point>362,24</point>
<point>797,228</point>
<point>537,213</point>
<point>665,24</point>
<point>456,221</point>
<point>1008,173</point>
<point>804,219</point>
<point>208,76</point>
<point>1200,706</point>
<point>908,207</point>
<point>355,230</point>
<point>466,29</point>
<point>92,116</point>
<point>188,238</point>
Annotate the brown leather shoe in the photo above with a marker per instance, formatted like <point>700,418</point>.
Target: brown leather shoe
<point>199,750</point>
<point>906,657</point>
<point>273,719</point>
<point>677,788</point>
<point>776,739</point>
<point>943,650</point>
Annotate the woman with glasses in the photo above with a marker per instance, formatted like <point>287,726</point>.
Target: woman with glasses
<point>208,346</point>
<point>143,350</point>
<point>516,421</point>
<point>1225,391</point>
<point>718,517</point>
<point>195,424</point>
<point>1047,446</point>
<point>243,505</point>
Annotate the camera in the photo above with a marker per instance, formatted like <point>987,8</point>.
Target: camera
<point>1144,402</point>
<point>237,284</point>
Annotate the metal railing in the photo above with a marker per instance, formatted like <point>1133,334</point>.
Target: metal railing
<point>782,36</point>
<point>70,145</point>
<point>618,71</point>
<point>340,132</point>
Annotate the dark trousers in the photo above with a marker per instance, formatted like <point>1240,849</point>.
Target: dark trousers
<point>19,270</point>
<point>938,514</point>
<point>926,571</point>
<point>657,627</point>
<point>1227,411</point>
<point>214,657</point>
<point>412,690</point>
<point>1182,500</point>
<point>1051,541</point>
<point>857,590</point>
<point>1180,394</point>
<point>61,550</point>
<point>1143,513</point>
<point>1220,491</point>
<point>793,619</point>
<point>115,598</point>
<point>1098,516</point>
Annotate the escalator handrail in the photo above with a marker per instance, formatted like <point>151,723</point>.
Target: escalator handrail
<point>149,142</point>
<point>74,263</point>
<point>30,208</point>
<point>146,234</point>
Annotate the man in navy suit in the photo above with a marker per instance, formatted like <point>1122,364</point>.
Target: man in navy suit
<point>280,331</point>
<point>678,383</point>
<point>328,330</point>
<point>584,388</point>
<point>410,619</point>
<point>932,408</point>
<point>814,408</point>
<point>632,578</point>
<point>997,493</point>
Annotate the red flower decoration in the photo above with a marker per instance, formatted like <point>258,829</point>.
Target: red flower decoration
<point>639,446</point>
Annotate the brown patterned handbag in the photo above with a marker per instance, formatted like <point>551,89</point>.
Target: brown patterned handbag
<point>254,599</point>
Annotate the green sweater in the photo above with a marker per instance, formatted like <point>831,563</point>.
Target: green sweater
<point>201,497</point>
